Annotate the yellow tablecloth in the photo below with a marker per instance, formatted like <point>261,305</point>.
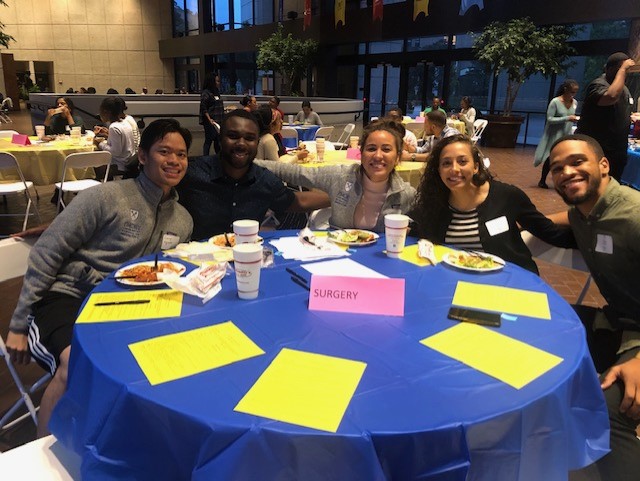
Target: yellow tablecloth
<point>42,163</point>
<point>459,125</point>
<point>409,171</point>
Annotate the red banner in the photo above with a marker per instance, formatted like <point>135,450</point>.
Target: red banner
<point>307,14</point>
<point>377,9</point>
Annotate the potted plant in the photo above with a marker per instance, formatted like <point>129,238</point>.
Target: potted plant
<point>520,49</point>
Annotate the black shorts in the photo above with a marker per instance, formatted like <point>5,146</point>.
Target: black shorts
<point>51,328</point>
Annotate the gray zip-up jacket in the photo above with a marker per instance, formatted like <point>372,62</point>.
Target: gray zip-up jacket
<point>343,183</point>
<point>101,229</point>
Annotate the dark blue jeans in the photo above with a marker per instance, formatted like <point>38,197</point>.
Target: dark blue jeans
<point>210,137</point>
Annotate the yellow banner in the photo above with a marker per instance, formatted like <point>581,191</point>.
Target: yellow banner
<point>339,12</point>
<point>420,6</point>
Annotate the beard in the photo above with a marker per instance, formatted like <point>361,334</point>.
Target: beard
<point>592,191</point>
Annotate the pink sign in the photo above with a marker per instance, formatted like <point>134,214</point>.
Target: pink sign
<point>353,154</point>
<point>360,295</point>
<point>20,139</point>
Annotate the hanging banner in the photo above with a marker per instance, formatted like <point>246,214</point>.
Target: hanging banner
<point>377,10</point>
<point>339,12</point>
<point>420,6</point>
<point>280,11</point>
<point>467,4</point>
<point>307,14</point>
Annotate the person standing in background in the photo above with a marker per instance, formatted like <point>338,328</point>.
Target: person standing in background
<point>211,112</point>
<point>560,117</point>
<point>606,113</point>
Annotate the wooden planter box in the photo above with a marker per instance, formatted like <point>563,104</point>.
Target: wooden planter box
<point>502,131</point>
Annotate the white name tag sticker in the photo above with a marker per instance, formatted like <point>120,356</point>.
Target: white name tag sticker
<point>169,241</point>
<point>497,226</point>
<point>604,244</point>
<point>631,100</point>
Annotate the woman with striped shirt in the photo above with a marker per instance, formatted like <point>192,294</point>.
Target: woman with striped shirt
<point>460,204</point>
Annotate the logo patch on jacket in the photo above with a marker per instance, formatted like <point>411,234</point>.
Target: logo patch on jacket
<point>134,214</point>
<point>348,186</point>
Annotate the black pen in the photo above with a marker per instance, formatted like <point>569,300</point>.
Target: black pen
<point>300,283</point>
<point>296,275</point>
<point>118,303</point>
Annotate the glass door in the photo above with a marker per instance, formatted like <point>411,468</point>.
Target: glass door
<point>384,87</point>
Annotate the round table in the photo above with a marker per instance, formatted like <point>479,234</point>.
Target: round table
<point>416,413</point>
<point>305,132</point>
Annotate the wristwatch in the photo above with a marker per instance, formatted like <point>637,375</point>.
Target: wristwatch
<point>413,157</point>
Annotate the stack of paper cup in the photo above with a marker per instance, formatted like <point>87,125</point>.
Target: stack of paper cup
<point>353,141</point>
<point>247,260</point>
<point>76,134</point>
<point>40,131</point>
<point>320,148</point>
<point>395,230</point>
<point>246,231</point>
<point>290,119</point>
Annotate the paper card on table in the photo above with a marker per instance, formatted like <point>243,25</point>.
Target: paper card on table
<point>509,360</point>
<point>502,299</point>
<point>338,267</point>
<point>20,139</point>
<point>174,356</point>
<point>162,303</point>
<point>353,154</point>
<point>304,388</point>
<point>360,295</point>
<point>410,254</point>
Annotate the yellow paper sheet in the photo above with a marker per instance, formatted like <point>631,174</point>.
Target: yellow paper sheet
<point>492,353</point>
<point>164,303</point>
<point>502,299</point>
<point>410,254</point>
<point>175,356</point>
<point>304,388</point>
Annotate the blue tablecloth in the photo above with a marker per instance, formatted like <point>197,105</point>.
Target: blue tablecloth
<point>416,413</point>
<point>631,174</point>
<point>305,132</point>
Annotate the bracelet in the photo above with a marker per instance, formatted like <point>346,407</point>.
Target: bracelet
<point>413,157</point>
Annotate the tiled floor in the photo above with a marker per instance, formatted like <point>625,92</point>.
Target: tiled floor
<point>511,165</point>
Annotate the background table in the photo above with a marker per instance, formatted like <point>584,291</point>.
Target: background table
<point>459,125</point>
<point>305,132</point>
<point>631,174</point>
<point>42,163</point>
<point>416,414</point>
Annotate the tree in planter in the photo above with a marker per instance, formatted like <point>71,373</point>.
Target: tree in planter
<point>286,55</point>
<point>4,38</point>
<point>522,50</point>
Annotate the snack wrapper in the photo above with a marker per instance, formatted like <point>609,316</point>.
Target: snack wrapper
<point>203,282</point>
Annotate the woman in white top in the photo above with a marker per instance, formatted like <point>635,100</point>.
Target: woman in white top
<point>120,140</point>
<point>467,114</point>
<point>269,148</point>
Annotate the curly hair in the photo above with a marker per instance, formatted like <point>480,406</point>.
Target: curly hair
<point>394,128</point>
<point>433,194</point>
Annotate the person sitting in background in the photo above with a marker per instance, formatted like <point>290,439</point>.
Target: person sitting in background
<point>145,91</point>
<point>361,193</point>
<point>460,204</point>
<point>410,142</point>
<point>270,123</point>
<point>274,103</point>
<point>61,119</point>
<point>467,114</point>
<point>435,105</point>
<point>129,91</point>
<point>70,91</point>
<point>229,186</point>
<point>307,115</point>
<point>87,241</point>
<point>249,103</point>
<point>435,125</point>
<point>91,90</point>
<point>120,140</point>
<point>159,92</point>
<point>112,91</point>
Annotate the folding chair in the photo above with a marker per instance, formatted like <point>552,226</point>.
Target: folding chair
<point>81,160</point>
<point>343,140</point>
<point>9,162</point>
<point>5,106</point>
<point>289,133</point>
<point>13,257</point>
<point>478,127</point>
<point>324,132</point>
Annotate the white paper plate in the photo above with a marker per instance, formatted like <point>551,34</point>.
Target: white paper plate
<point>334,236</point>
<point>179,268</point>
<point>220,241</point>
<point>450,259</point>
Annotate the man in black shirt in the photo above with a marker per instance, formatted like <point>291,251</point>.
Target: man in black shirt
<point>223,188</point>
<point>606,113</point>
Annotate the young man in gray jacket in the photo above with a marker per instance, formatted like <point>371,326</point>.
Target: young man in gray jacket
<point>101,229</point>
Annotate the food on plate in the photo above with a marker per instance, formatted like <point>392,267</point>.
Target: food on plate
<point>352,235</point>
<point>148,273</point>
<point>220,240</point>
<point>473,261</point>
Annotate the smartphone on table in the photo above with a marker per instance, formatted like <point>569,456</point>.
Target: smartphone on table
<point>477,317</point>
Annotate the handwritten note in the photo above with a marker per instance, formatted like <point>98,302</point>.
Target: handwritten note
<point>509,360</point>
<point>163,303</point>
<point>174,356</point>
<point>502,299</point>
<point>304,388</point>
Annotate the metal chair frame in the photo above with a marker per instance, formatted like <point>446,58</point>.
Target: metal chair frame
<point>290,133</point>
<point>324,132</point>
<point>478,127</point>
<point>343,140</point>
<point>9,162</point>
<point>81,160</point>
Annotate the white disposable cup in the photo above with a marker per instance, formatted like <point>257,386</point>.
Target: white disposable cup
<point>395,230</point>
<point>247,260</point>
<point>320,148</point>
<point>246,231</point>
<point>290,119</point>
<point>40,131</point>
<point>75,136</point>
<point>353,141</point>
